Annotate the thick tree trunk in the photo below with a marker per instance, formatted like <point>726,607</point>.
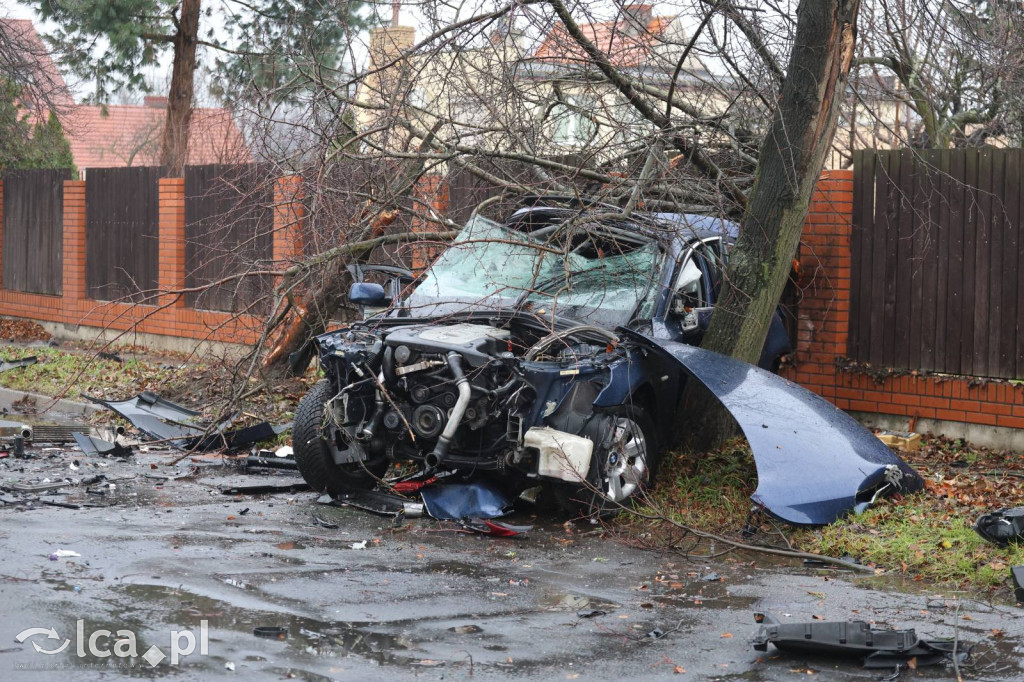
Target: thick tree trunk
<point>792,156</point>
<point>313,312</point>
<point>174,151</point>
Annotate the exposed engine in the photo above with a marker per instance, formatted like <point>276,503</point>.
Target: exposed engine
<point>441,378</point>
<point>461,395</point>
<point>409,395</point>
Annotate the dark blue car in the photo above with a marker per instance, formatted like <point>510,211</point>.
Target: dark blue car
<point>554,348</point>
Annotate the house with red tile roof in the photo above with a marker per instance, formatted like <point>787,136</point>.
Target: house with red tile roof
<point>635,39</point>
<point>24,56</point>
<point>107,136</point>
<point>117,135</point>
<point>586,112</point>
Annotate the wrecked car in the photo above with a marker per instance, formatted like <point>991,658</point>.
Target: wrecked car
<point>554,349</point>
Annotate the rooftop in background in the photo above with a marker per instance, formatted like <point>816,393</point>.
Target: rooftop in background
<point>131,135</point>
<point>46,86</point>
<point>629,41</point>
<point>108,136</point>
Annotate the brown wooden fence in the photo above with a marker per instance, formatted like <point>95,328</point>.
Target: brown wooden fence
<point>33,230</point>
<point>937,257</point>
<point>228,231</point>
<point>121,244</point>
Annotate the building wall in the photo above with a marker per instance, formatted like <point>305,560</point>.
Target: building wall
<point>909,401</point>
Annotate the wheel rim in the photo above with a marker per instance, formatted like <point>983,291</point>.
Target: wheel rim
<point>626,461</point>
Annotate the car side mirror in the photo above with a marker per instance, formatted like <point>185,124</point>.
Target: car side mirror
<point>694,319</point>
<point>369,294</point>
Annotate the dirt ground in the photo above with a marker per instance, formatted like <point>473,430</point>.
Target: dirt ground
<point>372,600</point>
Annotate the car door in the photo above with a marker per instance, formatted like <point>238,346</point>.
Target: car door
<point>691,296</point>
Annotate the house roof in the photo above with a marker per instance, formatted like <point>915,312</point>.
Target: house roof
<point>23,53</point>
<point>129,135</point>
<point>114,135</point>
<point>624,42</point>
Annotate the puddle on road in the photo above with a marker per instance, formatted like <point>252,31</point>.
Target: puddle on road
<point>226,622</point>
<point>558,601</point>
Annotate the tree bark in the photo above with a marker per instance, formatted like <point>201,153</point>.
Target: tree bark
<point>312,313</point>
<point>174,151</point>
<point>790,162</point>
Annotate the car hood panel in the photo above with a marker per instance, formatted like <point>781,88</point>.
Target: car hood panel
<point>812,458</point>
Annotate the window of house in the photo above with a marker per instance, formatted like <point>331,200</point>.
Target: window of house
<point>573,120</point>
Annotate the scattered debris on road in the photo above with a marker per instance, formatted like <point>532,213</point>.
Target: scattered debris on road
<point>878,648</point>
<point>92,445</point>
<point>161,420</point>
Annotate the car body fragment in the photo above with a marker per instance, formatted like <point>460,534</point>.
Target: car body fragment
<point>814,461</point>
<point>877,647</point>
<point>162,420</point>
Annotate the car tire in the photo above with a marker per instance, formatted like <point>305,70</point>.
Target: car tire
<point>615,459</point>
<point>313,453</point>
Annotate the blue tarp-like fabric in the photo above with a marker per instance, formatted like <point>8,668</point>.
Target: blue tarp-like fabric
<point>456,501</point>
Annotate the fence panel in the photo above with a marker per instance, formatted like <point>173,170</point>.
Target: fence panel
<point>33,231</point>
<point>122,209</point>
<point>937,255</point>
<point>228,231</point>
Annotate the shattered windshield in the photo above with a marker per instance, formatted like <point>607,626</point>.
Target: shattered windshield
<point>491,265</point>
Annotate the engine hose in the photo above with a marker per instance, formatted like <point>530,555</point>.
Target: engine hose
<point>378,412</point>
<point>436,457</point>
<point>387,367</point>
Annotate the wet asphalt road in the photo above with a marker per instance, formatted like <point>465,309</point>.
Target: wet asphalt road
<point>419,602</point>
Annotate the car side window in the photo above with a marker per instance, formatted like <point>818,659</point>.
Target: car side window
<point>713,260</point>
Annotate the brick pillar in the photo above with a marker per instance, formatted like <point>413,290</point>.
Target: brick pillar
<point>430,191</point>
<point>825,267</point>
<point>823,319</point>
<point>73,286</point>
<point>171,230</point>
<point>1,225</point>
<point>289,213</point>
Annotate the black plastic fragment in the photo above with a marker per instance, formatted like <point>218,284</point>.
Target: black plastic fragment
<point>854,639</point>
<point>1017,574</point>
<point>591,614</point>
<point>265,489</point>
<point>92,445</point>
<point>7,365</point>
<point>380,503</point>
<point>1002,527</point>
<point>253,462</point>
<point>323,523</point>
<point>238,438</point>
<point>270,632</point>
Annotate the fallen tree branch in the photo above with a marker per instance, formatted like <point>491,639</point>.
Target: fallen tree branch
<point>793,554</point>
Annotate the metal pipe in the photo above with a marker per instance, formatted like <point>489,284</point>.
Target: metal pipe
<point>458,412</point>
<point>378,413</point>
